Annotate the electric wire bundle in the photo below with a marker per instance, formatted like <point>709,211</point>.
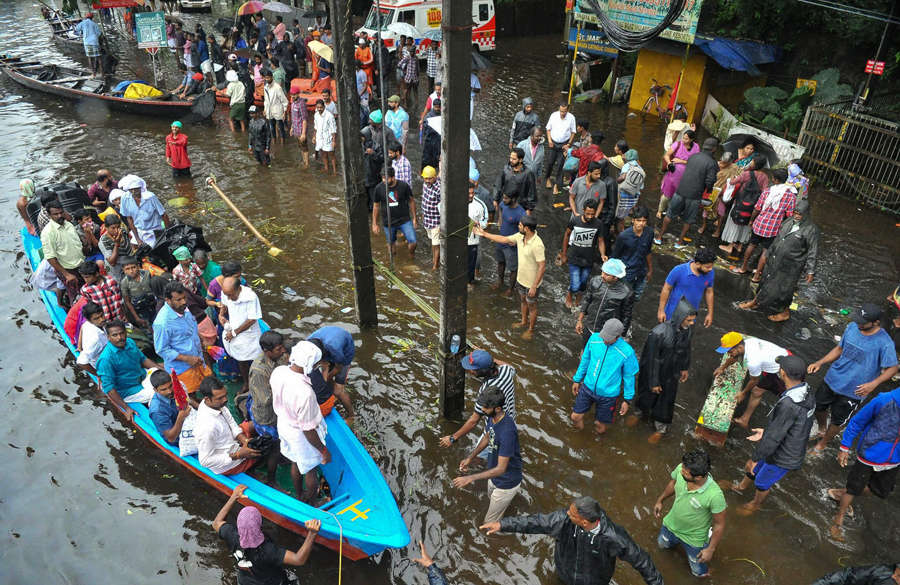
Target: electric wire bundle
<point>629,40</point>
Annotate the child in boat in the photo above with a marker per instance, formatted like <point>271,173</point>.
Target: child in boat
<point>187,272</point>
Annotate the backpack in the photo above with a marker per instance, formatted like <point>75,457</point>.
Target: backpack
<point>746,201</point>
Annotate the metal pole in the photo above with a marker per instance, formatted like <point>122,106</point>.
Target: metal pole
<point>887,25</point>
<point>574,57</point>
<point>352,167</point>
<point>457,67</point>
<point>687,50</point>
<point>382,98</point>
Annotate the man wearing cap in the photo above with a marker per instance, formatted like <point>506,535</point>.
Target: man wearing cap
<point>782,444</point>
<point>863,359</point>
<point>90,34</point>
<point>397,120</point>
<point>493,375</point>
<point>698,177</point>
<point>692,280</point>
<point>142,210</point>
<point>607,364</point>
<point>431,212</point>
<point>533,147</point>
<point>504,466</point>
<point>301,426</point>
<point>608,296</point>
<point>176,152</point>
<point>761,358</point>
<point>237,95</point>
<point>260,137</point>
<point>530,271</point>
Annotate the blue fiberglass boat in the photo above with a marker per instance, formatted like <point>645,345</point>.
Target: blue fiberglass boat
<point>362,508</point>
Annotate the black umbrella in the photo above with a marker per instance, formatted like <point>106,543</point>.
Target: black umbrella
<point>762,147</point>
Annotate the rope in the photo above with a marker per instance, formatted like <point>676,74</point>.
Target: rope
<point>404,288</point>
<point>340,545</point>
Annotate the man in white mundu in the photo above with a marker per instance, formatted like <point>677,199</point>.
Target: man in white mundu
<point>301,426</point>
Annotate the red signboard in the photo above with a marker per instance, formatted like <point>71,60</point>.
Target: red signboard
<point>876,67</point>
<point>98,4</point>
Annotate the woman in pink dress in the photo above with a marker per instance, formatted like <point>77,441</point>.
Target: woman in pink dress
<point>675,159</point>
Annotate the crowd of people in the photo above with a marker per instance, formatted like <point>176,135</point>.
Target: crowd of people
<point>287,389</point>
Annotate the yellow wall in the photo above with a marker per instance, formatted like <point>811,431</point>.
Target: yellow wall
<point>665,68</point>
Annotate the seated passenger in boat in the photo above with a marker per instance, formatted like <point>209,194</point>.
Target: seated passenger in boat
<point>114,246</point>
<point>137,294</point>
<point>164,412</point>
<point>301,427</point>
<point>115,202</point>
<point>176,339</point>
<point>91,338</point>
<point>102,290</point>
<point>62,248</point>
<point>122,368</point>
<point>221,444</point>
<point>338,350</point>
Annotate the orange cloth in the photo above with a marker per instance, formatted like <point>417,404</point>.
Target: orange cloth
<point>327,406</point>
<point>192,377</point>
<point>364,56</point>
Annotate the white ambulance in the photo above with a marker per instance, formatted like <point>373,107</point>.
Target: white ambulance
<point>425,15</point>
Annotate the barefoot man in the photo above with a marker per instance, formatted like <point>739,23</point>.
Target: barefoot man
<point>761,358</point>
<point>782,444</point>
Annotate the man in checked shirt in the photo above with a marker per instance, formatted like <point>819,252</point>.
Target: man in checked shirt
<point>431,212</point>
<point>774,205</point>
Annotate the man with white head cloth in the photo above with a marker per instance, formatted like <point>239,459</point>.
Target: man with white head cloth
<point>301,426</point>
<point>144,213</point>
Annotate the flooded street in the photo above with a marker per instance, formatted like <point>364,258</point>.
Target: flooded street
<point>83,498</point>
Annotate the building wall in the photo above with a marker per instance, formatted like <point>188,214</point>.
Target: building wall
<point>665,68</point>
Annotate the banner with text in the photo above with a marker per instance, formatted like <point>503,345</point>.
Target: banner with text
<point>643,14</point>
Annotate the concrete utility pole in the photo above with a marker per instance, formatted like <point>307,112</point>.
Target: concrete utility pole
<point>456,23</point>
<point>352,166</point>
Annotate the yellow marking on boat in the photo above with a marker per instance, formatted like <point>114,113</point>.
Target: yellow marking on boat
<point>359,514</point>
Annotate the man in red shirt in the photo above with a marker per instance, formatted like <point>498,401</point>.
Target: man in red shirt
<point>176,152</point>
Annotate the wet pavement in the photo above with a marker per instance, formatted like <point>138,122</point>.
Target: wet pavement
<point>84,497</point>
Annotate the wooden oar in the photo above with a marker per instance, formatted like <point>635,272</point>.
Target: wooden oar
<point>273,251</point>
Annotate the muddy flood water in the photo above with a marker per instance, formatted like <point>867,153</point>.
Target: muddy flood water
<point>84,499</point>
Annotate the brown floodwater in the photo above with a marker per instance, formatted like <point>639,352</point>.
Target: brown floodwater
<point>83,499</point>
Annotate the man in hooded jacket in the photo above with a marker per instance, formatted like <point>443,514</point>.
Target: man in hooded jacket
<point>524,120</point>
<point>587,543</point>
<point>781,446</point>
<point>664,364</point>
<point>791,255</point>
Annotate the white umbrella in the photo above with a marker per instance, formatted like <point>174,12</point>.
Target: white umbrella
<point>277,7</point>
<point>435,123</point>
<point>405,29</point>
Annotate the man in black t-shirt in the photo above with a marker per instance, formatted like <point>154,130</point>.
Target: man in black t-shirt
<point>402,207</point>
<point>581,242</point>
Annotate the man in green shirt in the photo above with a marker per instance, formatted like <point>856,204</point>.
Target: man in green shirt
<point>63,248</point>
<point>699,503</point>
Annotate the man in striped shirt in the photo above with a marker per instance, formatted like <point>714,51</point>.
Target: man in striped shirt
<point>492,374</point>
<point>431,212</point>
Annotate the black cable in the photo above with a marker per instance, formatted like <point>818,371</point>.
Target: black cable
<point>629,40</point>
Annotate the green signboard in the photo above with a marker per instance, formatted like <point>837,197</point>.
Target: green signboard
<point>644,14</point>
<point>151,30</point>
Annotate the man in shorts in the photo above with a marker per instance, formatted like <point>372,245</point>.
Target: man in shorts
<point>395,198</point>
<point>531,266</point>
<point>699,176</point>
<point>763,370</point>
<point>431,212</point>
<point>781,446</point>
<point>863,359</point>
<point>877,426</point>
<point>607,363</point>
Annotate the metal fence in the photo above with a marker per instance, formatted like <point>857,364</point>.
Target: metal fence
<point>854,153</point>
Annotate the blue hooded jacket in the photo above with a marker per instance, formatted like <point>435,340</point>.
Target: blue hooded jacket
<point>878,427</point>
